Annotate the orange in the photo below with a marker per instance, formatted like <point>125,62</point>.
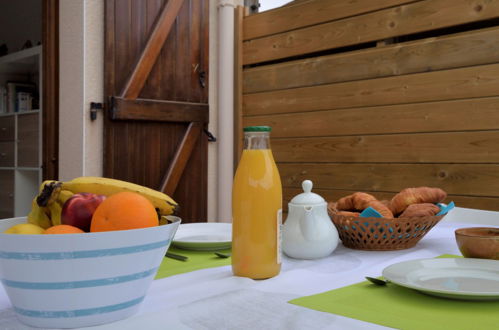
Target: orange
<point>123,211</point>
<point>63,229</point>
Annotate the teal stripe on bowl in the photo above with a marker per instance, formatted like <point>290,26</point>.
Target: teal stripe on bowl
<point>82,254</point>
<point>78,284</point>
<point>77,312</point>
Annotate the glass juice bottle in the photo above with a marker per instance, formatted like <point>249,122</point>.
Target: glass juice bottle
<point>256,209</point>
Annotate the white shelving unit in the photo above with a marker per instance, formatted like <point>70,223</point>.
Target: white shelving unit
<point>20,137</point>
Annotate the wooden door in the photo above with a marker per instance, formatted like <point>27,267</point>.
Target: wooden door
<point>156,75</point>
<point>50,89</point>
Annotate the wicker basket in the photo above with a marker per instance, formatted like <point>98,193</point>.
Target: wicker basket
<point>382,234</point>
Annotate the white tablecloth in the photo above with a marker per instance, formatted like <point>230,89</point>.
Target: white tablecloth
<point>215,299</point>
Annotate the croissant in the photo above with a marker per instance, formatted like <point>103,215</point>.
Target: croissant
<point>419,195</point>
<point>355,201</point>
<point>385,202</point>
<point>348,214</point>
<point>381,208</point>
<point>361,201</point>
<point>345,203</point>
<point>420,210</point>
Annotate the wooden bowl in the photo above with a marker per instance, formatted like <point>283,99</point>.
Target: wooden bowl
<point>478,242</point>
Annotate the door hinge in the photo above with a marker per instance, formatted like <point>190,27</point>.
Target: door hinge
<point>94,106</point>
<point>211,137</point>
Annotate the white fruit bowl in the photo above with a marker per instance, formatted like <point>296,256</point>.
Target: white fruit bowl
<point>79,280</point>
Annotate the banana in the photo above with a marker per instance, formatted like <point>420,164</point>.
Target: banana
<point>37,216</point>
<point>55,209</point>
<point>106,186</point>
<point>46,208</point>
<point>49,193</point>
<point>46,182</point>
<point>64,195</point>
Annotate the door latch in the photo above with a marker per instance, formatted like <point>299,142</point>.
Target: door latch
<point>202,79</point>
<point>94,106</point>
<point>211,137</point>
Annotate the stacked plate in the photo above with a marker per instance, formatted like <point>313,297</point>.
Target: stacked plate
<point>204,236</point>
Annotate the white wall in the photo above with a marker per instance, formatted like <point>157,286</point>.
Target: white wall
<point>81,82</point>
<point>20,20</point>
<point>94,86</point>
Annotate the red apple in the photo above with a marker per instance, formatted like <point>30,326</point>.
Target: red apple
<point>79,208</point>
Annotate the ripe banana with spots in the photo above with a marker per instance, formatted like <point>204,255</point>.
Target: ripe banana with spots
<point>53,194</point>
<point>64,195</point>
<point>49,192</point>
<point>106,186</point>
<point>38,216</point>
<point>55,209</point>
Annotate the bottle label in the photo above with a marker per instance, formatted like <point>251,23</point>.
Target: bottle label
<point>279,236</point>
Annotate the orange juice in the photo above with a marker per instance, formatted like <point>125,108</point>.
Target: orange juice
<point>256,210</point>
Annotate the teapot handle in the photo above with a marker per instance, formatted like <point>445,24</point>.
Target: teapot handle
<point>308,225</point>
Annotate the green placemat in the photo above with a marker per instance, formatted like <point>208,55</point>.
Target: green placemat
<point>402,308</point>
<point>197,260</point>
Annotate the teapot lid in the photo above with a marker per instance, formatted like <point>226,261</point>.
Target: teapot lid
<point>307,197</point>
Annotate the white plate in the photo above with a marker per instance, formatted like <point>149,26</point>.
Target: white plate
<point>456,278</point>
<point>204,236</point>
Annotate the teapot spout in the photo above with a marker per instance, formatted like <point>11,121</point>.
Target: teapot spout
<point>308,225</point>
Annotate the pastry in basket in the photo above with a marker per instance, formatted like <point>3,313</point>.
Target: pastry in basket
<point>419,195</point>
<point>420,210</point>
<point>348,214</point>
<point>333,209</point>
<point>381,208</point>
<point>360,201</point>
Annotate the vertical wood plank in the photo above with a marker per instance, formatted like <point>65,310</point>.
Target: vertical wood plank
<point>152,49</point>
<point>109,83</point>
<point>150,90</point>
<point>205,48</point>
<point>194,66</point>
<point>182,67</point>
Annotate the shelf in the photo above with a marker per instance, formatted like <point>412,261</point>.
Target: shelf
<point>21,178</point>
<point>6,114</point>
<point>22,62</point>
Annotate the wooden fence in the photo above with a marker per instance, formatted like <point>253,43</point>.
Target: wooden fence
<point>377,95</point>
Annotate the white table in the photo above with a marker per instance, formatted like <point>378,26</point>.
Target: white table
<point>215,299</point>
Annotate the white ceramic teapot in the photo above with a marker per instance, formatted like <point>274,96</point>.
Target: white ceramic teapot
<point>308,232</point>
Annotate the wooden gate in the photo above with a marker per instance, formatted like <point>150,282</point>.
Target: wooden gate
<point>156,74</point>
<point>378,95</point>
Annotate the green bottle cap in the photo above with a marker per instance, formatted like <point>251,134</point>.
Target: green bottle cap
<point>257,129</point>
